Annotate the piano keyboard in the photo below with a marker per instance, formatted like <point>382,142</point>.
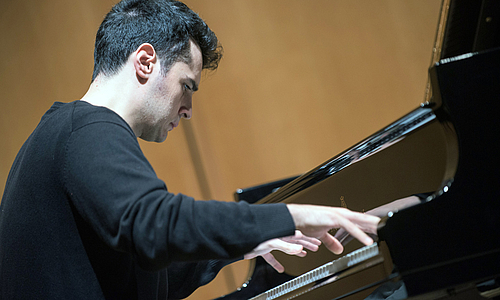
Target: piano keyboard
<point>321,272</point>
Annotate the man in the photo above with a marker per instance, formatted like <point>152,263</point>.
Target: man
<point>84,216</point>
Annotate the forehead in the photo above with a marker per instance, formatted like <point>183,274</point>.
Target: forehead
<point>188,68</point>
<point>196,62</point>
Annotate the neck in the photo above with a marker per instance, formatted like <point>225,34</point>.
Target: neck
<point>115,93</point>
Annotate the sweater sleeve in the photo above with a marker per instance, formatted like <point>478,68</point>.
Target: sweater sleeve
<point>185,277</point>
<point>116,191</point>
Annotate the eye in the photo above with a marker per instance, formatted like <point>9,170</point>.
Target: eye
<point>187,87</point>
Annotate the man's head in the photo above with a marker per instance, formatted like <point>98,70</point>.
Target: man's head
<point>148,59</point>
<point>161,101</point>
<point>167,25</point>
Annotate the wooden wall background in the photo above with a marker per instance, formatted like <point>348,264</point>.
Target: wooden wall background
<point>300,82</point>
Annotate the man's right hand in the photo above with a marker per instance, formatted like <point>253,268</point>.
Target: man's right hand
<point>315,221</point>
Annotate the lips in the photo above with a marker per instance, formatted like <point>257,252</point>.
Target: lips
<point>174,125</point>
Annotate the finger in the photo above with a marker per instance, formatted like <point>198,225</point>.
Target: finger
<point>269,258</point>
<point>300,236</point>
<point>288,248</point>
<point>367,222</point>
<point>332,244</point>
<point>250,255</point>
<point>357,224</point>
<point>340,234</point>
<point>343,236</point>
<point>309,246</point>
<point>355,231</point>
<point>305,243</point>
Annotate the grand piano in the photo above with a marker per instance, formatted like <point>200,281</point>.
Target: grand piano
<point>446,151</point>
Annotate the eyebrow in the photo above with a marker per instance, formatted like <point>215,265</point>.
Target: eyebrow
<point>195,86</point>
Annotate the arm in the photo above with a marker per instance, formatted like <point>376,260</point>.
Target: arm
<point>115,190</point>
<point>185,277</point>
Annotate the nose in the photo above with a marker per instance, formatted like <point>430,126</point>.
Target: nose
<point>186,109</point>
<point>186,113</point>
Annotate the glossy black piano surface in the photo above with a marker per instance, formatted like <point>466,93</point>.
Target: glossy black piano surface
<point>455,238</point>
<point>449,245</point>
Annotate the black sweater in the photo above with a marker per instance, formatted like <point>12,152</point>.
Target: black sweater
<point>84,216</point>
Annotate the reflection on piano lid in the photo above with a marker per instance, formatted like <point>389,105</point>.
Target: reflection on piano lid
<point>377,142</point>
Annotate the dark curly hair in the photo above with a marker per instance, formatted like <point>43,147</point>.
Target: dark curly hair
<point>167,25</point>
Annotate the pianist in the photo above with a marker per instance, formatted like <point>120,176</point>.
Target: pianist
<point>84,216</point>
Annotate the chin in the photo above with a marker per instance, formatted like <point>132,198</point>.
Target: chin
<point>161,139</point>
<point>156,139</point>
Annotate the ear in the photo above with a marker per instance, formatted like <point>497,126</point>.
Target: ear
<point>144,59</point>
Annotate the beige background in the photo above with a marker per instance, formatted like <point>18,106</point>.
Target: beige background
<point>300,82</point>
